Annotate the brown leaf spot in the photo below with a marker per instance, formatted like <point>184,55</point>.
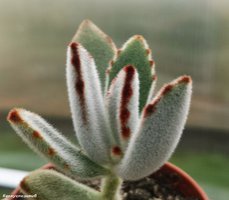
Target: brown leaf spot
<point>51,151</point>
<point>37,135</point>
<point>151,63</point>
<point>148,51</point>
<point>24,186</point>
<point>14,116</point>
<point>116,151</point>
<point>167,89</point>
<point>150,109</point>
<point>79,84</point>
<point>124,115</point>
<point>127,92</point>
<point>154,77</point>
<point>185,79</point>
<point>126,132</point>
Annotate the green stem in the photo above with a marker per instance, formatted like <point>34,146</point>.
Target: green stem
<point>111,187</point>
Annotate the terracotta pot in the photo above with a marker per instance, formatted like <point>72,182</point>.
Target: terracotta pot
<point>181,181</point>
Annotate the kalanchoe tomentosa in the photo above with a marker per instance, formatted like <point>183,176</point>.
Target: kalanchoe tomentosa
<point>123,130</point>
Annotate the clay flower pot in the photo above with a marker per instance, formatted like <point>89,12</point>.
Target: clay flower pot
<point>181,181</point>
<point>171,176</point>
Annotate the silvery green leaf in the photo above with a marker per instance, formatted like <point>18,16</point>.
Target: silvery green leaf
<point>98,44</point>
<point>50,185</point>
<point>122,102</point>
<point>161,126</point>
<point>136,52</point>
<point>87,104</point>
<point>52,145</point>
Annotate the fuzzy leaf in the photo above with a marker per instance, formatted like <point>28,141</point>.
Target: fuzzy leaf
<point>137,53</point>
<point>122,103</point>
<point>50,185</point>
<point>152,89</point>
<point>87,104</point>
<point>162,123</point>
<point>98,44</point>
<point>48,142</point>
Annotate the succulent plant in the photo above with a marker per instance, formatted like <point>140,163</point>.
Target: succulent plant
<point>124,131</point>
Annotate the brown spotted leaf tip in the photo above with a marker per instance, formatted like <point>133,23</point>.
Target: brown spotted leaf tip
<point>127,93</point>
<point>160,129</point>
<point>79,82</point>
<point>87,104</point>
<point>150,108</point>
<point>48,142</point>
<point>137,53</point>
<point>14,116</point>
<point>122,104</point>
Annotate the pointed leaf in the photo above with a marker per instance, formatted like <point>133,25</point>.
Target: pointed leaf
<point>98,44</point>
<point>137,53</point>
<point>122,103</point>
<point>49,184</point>
<point>87,104</point>
<point>161,126</point>
<point>48,142</point>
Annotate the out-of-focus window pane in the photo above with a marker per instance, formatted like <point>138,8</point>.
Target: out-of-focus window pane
<point>187,37</point>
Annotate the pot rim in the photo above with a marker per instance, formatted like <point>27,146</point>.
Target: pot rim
<point>187,182</point>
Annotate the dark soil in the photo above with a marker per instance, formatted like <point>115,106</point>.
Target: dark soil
<point>153,188</point>
<point>160,187</point>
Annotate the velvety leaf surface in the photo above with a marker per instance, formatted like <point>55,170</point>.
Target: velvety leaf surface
<point>87,104</point>
<point>98,44</point>
<point>49,143</point>
<point>162,123</point>
<point>122,102</point>
<point>50,185</point>
<point>136,52</point>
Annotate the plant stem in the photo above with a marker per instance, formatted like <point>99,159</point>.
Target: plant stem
<point>111,187</point>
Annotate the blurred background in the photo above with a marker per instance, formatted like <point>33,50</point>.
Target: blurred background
<point>186,37</point>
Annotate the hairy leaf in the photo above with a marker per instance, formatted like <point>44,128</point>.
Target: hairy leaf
<point>136,52</point>
<point>50,185</point>
<point>98,44</point>
<point>48,142</point>
<point>122,103</point>
<point>162,122</point>
<point>87,104</point>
